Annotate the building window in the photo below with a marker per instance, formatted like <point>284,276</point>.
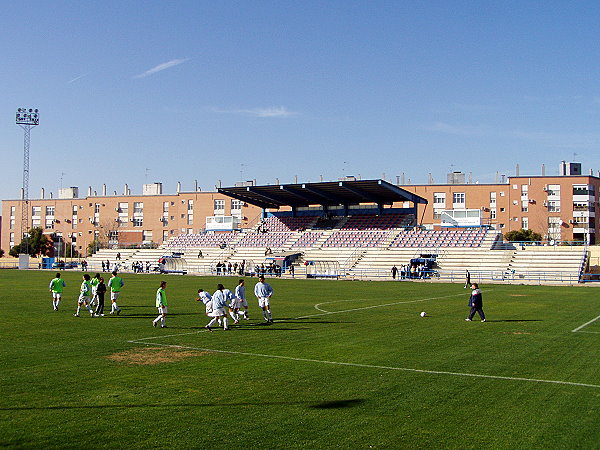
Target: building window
<point>12,211</point>
<point>123,208</point>
<point>165,206</point>
<point>138,207</point>
<point>493,213</point>
<point>219,206</point>
<point>190,219</point>
<point>439,198</point>
<point>147,236</point>
<point>12,239</point>
<point>74,210</point>
<point>525,223</point>
<point>554,227</point>
<point>97,208</point>
<point>524,206</point>
<point>12,223</point>
<point>553,190</point>
<point>49,222</point>
<point>554,206</point>
<point>581,190</point>
<point>190,205</point>
<point>524,190</point>
<point>49,210</point>
<point>165,235</point>
<point>437,214</point>
<point>237,204</point>
<point>36,211</point>
<point>458,198</point>
<point>492,198</point>
<point>138,222</point>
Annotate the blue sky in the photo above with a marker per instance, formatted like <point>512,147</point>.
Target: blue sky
<point>134,92</point>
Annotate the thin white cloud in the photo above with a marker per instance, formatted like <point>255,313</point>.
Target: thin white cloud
<point>161,67</point>
<point>77,78</point>
<point>268,112</point>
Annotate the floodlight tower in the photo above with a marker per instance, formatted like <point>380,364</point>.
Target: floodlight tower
<point>27,118</point>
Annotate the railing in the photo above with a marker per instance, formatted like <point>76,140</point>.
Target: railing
<point>491,276</point>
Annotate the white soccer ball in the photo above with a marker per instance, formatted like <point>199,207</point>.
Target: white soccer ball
<point>423,314</point>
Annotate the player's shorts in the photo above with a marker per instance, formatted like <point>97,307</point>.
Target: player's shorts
<point>83,299</point>
<point>235,303</point>
<point>56,295</point>
<point>114,295</point>
<point>162,309</point>
<point>242,302</point>
<point>263,302</point>
<point>217,312</point>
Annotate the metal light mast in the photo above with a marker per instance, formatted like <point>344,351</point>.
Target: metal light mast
<point>26,119</point>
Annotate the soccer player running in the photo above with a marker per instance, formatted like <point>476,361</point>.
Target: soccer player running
<point>115,284</point>
<point>263,292</point>
<point>205,298</point>
<point>240,295</point>
<point>84,296</point>
<point>56,287</point>
<point>161,305</point>
<point>219,303</point>
<point>234,306</point>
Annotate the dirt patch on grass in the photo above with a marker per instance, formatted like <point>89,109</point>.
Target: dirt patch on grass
<point>152,355</point>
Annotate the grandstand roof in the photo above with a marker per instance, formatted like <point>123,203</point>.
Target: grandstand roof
<point>330,193</point>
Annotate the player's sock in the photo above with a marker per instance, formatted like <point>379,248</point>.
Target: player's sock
<point>269,313</point>
<point>162,321</point>
<point>78,309</point>
<point>219,321</point>
<point>211,323</point>
<point>225,323</point>
<point>54,305</point>
<point>57,303</point>
<point>232,314</point>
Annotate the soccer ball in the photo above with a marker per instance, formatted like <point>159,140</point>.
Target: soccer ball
<point>423,314</point>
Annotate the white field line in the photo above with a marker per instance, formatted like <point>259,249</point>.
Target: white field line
<point>323,313</point>
<point>370,366</point>
<point>585,325</point>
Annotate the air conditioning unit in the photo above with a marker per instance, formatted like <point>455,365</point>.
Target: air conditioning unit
<point>515,202</point>
<point>532,201</point>
<point>545,203</point>
<point>545,188</point>
<point>117,219</point>
<point>572,221</point>
<point>131,220</point>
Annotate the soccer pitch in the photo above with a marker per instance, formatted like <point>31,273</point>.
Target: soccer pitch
<point>346,364</point>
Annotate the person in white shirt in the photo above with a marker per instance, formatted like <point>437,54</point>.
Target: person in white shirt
<point>240,295</point>
<point>263,292</point>
<point>219,303</point>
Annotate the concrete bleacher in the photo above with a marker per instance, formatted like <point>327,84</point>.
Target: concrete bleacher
<point>367,246</point>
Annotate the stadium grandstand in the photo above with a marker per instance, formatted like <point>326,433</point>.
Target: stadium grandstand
<point>358,230</point>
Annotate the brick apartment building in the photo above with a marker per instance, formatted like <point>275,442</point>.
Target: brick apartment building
<point>558,207</point>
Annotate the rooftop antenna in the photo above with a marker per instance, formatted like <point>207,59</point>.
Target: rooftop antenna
<point>242,165</point>
<point>62,174</point>
<point>147,170</point>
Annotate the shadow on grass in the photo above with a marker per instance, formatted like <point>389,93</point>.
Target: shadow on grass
<point>335,404</point>
<point>322,405</point>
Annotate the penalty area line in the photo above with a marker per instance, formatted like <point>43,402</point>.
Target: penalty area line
<point>324,313</point>
<point>371,366</point>
<point>585,325</point>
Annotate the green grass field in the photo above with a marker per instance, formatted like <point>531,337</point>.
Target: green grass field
<point>346,365</point>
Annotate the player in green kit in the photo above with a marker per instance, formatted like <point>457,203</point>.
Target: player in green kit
<point>56,287</point>
<point>84,296</point>
<point>115,284</point>
<point>94,282</point>
<point>161,305</point>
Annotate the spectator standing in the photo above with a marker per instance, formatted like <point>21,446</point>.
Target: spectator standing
<point>394,272</point>
<point>467,279</point>
<point>100,291</point>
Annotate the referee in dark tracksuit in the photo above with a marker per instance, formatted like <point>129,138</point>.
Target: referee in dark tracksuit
<point>476,303</point>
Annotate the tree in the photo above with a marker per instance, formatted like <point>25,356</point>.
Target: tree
<point>1,253</point>
<point>36,243</point>
<point>523,236</point>
<point>93,247</point>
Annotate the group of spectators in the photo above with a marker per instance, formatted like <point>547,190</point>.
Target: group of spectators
<point>139,266</point>
<point>411,271</point>
<point>267,269</point>
<point>223,268</point>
